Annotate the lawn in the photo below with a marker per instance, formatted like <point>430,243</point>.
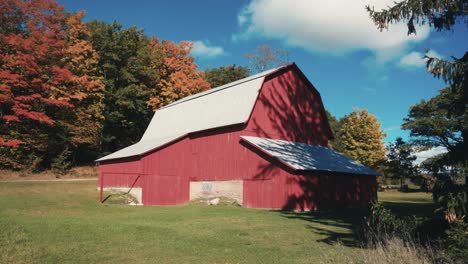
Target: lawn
<point>62,222</point>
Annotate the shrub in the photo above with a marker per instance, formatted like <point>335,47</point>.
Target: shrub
<point>456,242</point>
<point>453,199</point>
<point>381,225</point>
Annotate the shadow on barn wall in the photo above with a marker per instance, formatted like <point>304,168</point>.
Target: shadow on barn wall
<point>289,110</point>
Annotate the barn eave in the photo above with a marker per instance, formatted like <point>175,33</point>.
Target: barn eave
<point>303,158</point>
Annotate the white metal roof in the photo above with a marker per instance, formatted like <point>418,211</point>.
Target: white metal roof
<point>139,148</point>
<point>229,104</point>
<point>301,156</point>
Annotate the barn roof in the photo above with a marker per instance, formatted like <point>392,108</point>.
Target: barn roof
<point>305,157</point>
<point>226,105</point>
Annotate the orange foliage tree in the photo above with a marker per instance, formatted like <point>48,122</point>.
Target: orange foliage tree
<point>178,74</point>
<point>38,85</point>
<point>87,91</point>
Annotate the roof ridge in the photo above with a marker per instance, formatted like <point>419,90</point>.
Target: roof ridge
<point>226,86</point>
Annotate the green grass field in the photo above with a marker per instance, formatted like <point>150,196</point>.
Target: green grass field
<point>62,222</point>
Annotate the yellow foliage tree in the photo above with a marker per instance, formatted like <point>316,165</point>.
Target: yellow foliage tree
<point>361,137</point>
<point>87,90</point>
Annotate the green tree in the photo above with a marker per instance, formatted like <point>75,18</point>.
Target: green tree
<point>400,161</point>
<point>432,124</point>
<point>141,75</point>
<point>225,74</point>
<point>452,102</point>
<point>361,138</point>
<point>441,15</point>
<point>335,126</point>
<point>125,62</point>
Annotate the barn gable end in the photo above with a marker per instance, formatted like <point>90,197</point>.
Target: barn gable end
<point>290,108</point>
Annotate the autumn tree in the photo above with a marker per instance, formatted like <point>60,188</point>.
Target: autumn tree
<point>362,137</point>
<point>141,74</point>
<point>38,86</point>
<point>84,122</point>
<point>178,74</point>
<point>225,74</point>
<point>264,58</point>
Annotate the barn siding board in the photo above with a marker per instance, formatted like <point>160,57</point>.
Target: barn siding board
<point>165,190</point>
<point>123,173</point>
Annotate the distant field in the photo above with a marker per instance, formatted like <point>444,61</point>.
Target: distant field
<point>62,222</point>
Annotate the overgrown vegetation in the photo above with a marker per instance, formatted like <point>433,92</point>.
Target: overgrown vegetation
<point>442,120</point>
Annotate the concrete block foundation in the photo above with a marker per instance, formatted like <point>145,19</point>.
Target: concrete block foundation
<point>212,189</point>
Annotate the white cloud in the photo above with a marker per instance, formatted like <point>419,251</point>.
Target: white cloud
<point>327,26</point>
<point>202,49</point>
<point>423,155</point>
<point>416,59</point>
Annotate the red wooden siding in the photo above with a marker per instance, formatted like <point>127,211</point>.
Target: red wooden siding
<point>288,109</point>
<point>166,174</point>
<point>121,173</point>
<point>346,190</point>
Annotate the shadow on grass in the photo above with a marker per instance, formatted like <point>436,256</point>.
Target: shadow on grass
<point>403,209</point>
<point>339,225</point>
<point>344,225</point>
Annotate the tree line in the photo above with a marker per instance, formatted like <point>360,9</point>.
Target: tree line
<point>71,91</point>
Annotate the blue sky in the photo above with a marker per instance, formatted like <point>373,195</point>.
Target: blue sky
<point>335,44</point>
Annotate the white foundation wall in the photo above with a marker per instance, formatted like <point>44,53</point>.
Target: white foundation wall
<point>212,189</point>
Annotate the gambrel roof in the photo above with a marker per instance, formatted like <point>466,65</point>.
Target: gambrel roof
<point>226,105</point>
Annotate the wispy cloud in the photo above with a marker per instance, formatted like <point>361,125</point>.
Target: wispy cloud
<point>205,49</point>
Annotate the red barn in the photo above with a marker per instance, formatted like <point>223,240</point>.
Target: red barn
<point>261,140</point>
